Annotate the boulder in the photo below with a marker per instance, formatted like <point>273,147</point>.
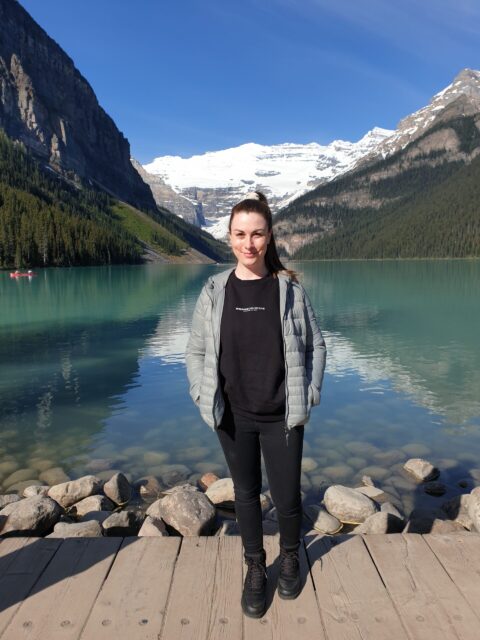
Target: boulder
<point>348,505</point>
<point>92,503</point>
<point>187,510</point>
<point>221,492</point>
<point>322,520</point>
<point>8,498</point>
<point>121,523</point>
<point>30,517</point>
<point>381,522</point>
<point>421,469</point>
<point>68,493</point>
<point>457,509</point>
<point>54,475</point>
<point>388,507</point>
<point>35,490</point>
<point>118,489</point>
<point>153,527</point>
<point>207,479</point>
<point>473,508</point>
<point>90,529</point>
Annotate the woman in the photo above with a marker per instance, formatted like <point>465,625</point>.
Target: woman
<point>255,362</point>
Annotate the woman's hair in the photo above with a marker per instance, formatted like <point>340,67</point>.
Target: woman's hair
<point>255,201</point>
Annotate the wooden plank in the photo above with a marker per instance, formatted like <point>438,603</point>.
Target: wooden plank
<point>205,593</point>
<point>132,601</point>
<point>24,561</point>
<point>9,550</point>
<point>426,598</point>
<point>62,598</point>
<point>459,555</point>
<point>286,619</point>
<point>351,596</point>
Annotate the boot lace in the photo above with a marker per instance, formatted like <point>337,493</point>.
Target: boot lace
<point>289,563</point>
<point>256,574</point>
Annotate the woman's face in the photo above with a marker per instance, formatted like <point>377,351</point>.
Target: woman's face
<point>249,238</point>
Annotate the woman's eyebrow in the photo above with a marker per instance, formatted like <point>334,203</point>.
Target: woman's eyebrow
<point>254,231</point>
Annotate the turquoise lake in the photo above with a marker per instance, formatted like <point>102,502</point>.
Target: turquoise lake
<point>93,375</point>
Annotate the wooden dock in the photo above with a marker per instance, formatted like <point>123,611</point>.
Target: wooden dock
<point>372,587</point>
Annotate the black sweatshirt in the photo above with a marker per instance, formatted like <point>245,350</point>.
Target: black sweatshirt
<point>252,364</point>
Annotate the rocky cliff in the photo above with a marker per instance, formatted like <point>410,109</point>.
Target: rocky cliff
<point>46,103</point>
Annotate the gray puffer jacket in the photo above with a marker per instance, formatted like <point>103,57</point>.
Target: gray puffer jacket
<point>304,349</point>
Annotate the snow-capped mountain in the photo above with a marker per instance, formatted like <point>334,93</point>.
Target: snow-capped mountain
<point>461,97</point>
<point>213,182</point>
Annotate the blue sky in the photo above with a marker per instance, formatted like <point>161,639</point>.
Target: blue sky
<point>190,76</point>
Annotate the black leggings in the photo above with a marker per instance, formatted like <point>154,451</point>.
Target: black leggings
<point>241,440</point>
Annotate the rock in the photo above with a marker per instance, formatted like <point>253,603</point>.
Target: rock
<point>148,487</point>
<point>374,493</point>
<point>189,511</point>
<point>53,476</point>
<point>309,464</point>
<point>348,505</point>
<point>430,521</point>
<point>153,527</point>
<point>376,472</point>
<point>19,487</point>
<point>388,507</point>
<point>191,454</point>
<point>222,493</point>
<point>387,458</point>
<point>457,509</point>
<point>92,503</point>
<point>19,476</point>
<point>367,481</point>
<point>381,522</point>
<point>265,502</point>
<point>421,469</point>
<point>174,474</point>
<point>118,489</point>
<point>8,499</point>
<point>35,490</point>
<point>68,493</point>
<point>152,458</point>
<point>122,523</point>
<point>30,516</point>
<point>98,516</point>
<point>7,467</point>
<point>466,483</point>
<point>416,449</point>
<point>475,474</point>
<point>473,508</point>
<point>338,471</point>
<point>207,479</point>
<point>90,529</point>
<point>99,464</point>
<point>41,464</point>
<point>322,520</point>
<point>434,488</point>
<point>362,448</point>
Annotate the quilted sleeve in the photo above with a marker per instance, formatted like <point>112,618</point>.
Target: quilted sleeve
<point>315,353</point>
<point>195,350</point>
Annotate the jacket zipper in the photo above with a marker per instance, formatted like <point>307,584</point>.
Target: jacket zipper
<point>286,366</point>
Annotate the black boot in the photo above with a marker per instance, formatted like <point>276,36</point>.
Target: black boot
<point>254,588</point>
<point>289,583</point>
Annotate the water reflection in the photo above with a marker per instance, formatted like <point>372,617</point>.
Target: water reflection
<point>93,373</point>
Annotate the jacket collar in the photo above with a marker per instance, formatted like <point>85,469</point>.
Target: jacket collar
<point>218,281</point>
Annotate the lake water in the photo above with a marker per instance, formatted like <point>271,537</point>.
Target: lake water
<point>93,374</point>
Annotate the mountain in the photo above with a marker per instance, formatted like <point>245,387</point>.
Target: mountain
<point>47,104</point>
<point>416,195</point>
<point>211,183</point>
